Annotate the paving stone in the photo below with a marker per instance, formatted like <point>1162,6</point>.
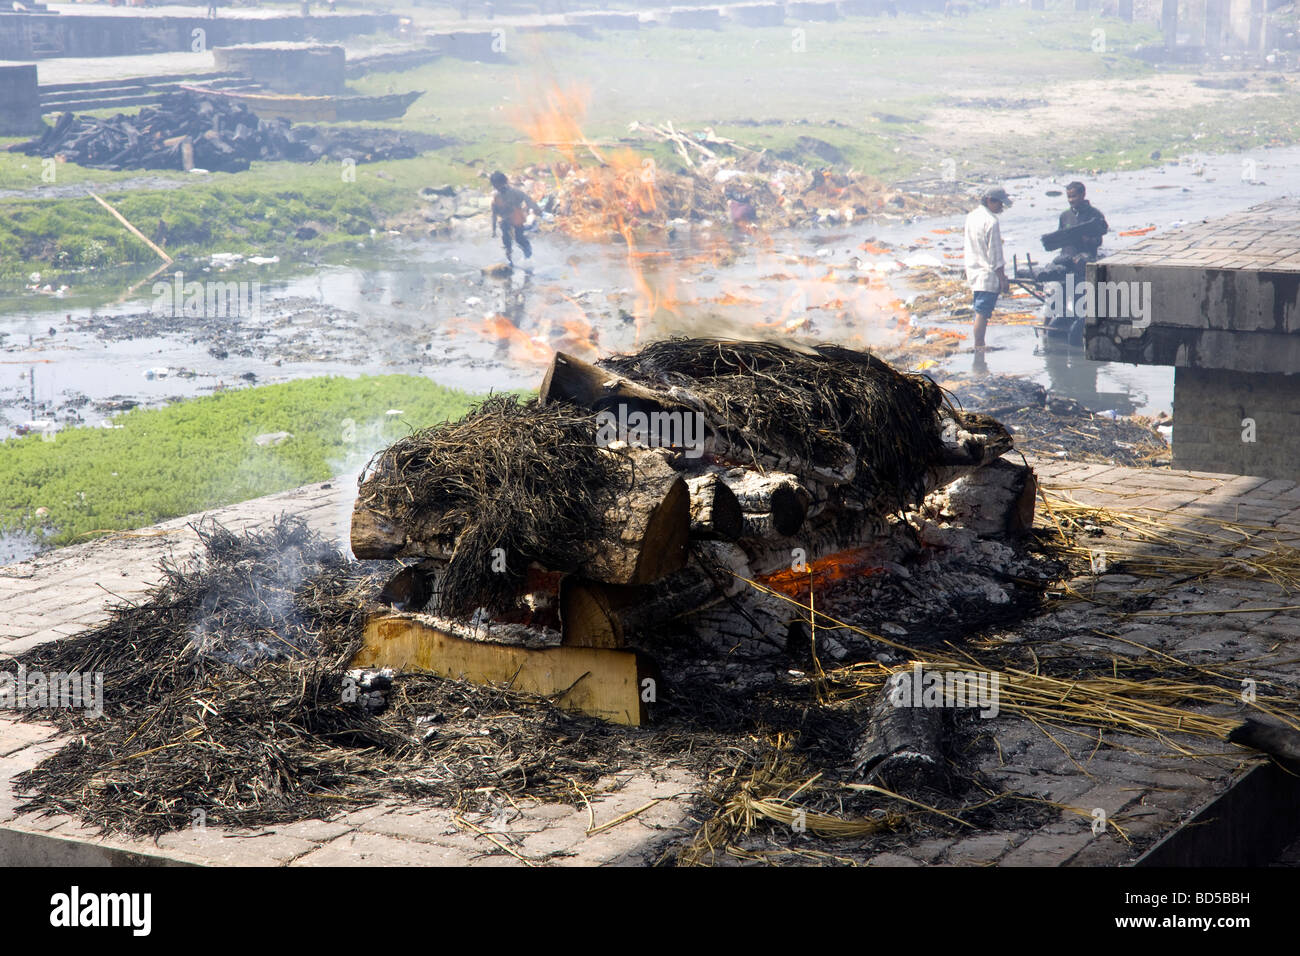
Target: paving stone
<point>552,811</point>
<point>428,826</point>
<point>559,838</point>
<point>16,734</point>
<point>1209,640</point>
<point>1064,786</point>
<point>363,815</point>
<point>36,823</point>
<point>892,859</point>
<point>22,645</point>
<point>313,831</point>
<point>376,849</point>
<point>1105,850</point>
<point>617,846</point>
<point>980,850</point>
<point>1048,849</point>
<point>930,850</point>
<point>1113,798</point>
<point>218,847</point>
<point>1275,487</point>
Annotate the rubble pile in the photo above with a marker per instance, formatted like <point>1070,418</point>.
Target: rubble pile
<point>187,130</point>
<point>601,196</point>
<point>1050,425</point>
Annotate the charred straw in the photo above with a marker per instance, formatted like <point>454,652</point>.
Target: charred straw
<point>516,476</point>
<point>807,405</point>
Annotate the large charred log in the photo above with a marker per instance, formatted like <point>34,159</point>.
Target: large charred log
<point>902,748</point>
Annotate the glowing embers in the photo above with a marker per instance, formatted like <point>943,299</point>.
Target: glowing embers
<point>825,571</point>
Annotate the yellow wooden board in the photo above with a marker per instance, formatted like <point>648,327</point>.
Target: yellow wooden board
<point>601,682</point>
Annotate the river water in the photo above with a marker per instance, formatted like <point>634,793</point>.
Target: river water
<point>426,308</point>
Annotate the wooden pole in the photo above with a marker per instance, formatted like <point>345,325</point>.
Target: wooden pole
<point>134,231</point>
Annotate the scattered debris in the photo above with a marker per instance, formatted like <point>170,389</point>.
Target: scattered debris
<point>723,182</point>
<point>1052,426</point>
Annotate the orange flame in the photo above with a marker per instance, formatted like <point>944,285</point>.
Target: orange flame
<point>854,563</point>
<point>612,196</point>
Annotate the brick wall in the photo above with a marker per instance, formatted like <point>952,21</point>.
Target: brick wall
<point>1209,406</point>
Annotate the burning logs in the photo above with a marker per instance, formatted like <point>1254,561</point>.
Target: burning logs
<point>994,501</point>
<point>638,537</point>
<point>645,530</point>
<point>644,489</point>
<point>775,503</point>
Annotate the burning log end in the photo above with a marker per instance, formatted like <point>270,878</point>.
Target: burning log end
<point>788,509</point>
<point>375,536</point>
<point>973,440</point>
<point>647,527</point>
<point>996,501</point>
<point>715,510</point>
<point>774,502</point>
<point>570,379</point>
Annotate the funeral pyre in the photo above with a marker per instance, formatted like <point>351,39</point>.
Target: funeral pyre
<point>655,490</point>
<point>227,688</point>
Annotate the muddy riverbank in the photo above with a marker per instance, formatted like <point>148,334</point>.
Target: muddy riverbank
<point>428,307</point>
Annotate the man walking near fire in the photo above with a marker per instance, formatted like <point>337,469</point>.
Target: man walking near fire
<point>508,206</point>
<point>985,265</point>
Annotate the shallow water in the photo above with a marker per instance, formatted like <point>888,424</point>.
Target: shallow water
<point>425,308</point>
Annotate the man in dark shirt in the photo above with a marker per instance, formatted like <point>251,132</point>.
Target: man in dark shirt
<point>1081,249</point>
<point>508,207</point>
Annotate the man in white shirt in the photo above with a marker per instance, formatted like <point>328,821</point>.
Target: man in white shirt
<point>985,267</point>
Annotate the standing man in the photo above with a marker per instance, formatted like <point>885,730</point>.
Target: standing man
<point>508,206</point>
<point>985,266</point>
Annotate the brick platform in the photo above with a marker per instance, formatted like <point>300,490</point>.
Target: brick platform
<point>1223,308</point>
<point>1144,787</point>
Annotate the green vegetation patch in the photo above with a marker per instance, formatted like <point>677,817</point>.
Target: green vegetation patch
<point>203,453</point>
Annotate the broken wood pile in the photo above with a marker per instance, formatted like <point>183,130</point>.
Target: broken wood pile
<point>188,130</point>
<point>649,487</point>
